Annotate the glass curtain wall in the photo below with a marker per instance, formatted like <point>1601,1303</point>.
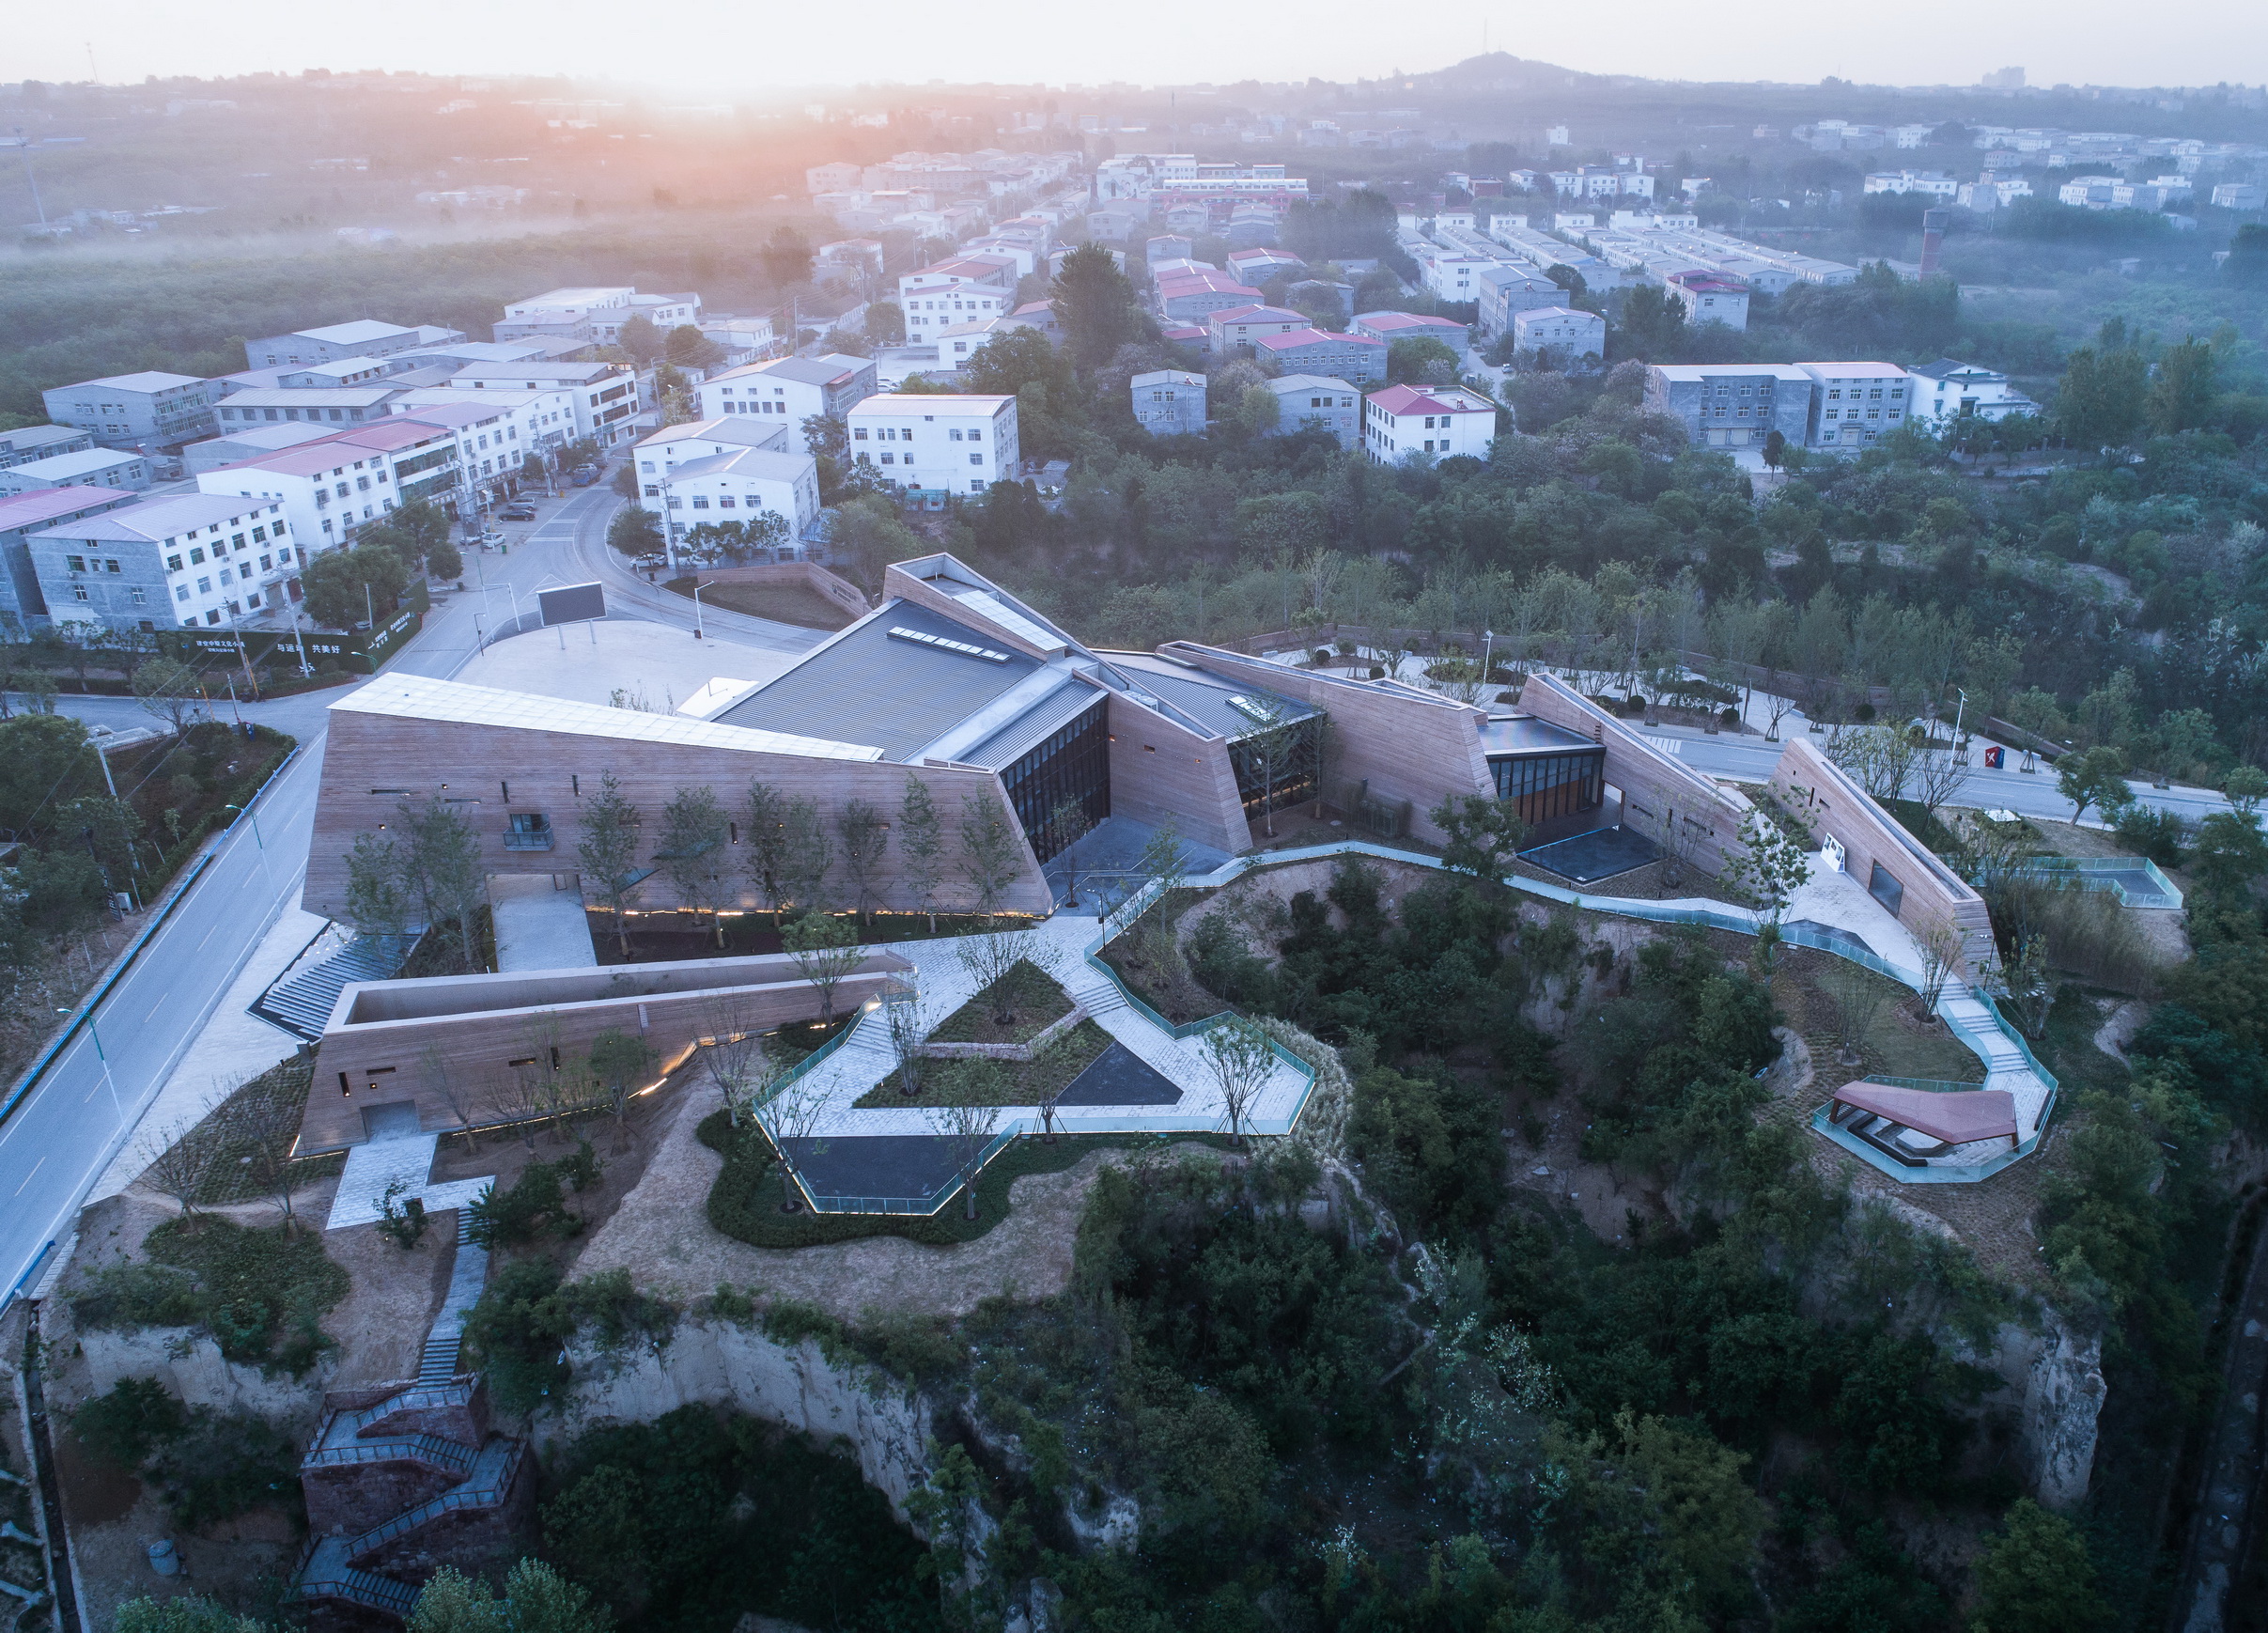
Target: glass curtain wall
<point>1279,767</point>
<point>1073,763</point>
<point>1544,786</point>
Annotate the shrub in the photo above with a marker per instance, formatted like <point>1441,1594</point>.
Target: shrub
<point>516,1332</point>
<point>138,1295</point>
<point>125,1426</point>
<point>261,1294</point>
<point>536,1205</point>
<point>2160,834</point>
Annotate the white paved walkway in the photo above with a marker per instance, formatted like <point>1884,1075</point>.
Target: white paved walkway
<point>405,1159</point>
<point>538,925</point>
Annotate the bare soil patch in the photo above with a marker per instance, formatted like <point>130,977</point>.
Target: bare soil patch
<point>782,603</point>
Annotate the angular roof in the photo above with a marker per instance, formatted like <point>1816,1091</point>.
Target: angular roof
<point>1535,312</point>
<point>65,466</point>
<point>418,697</point>
<point>1284,382</point>
<point>1947,368</point>
<point>833,368</point>
<point>1405,320</point>
<point>1852,370</point>
<point>733,429</point>
<point>283,434</point>
<point>149,380</point>
<point>19,511</point>
<point>1292,338</point>
<point>887,681</point>
<point>1413,399</point>
<point>158,519</point>
<point>1693,373</point>
<point>354,333</point>
<point>1956,1116</point>
<point>768,463</point>
<point>905,402</point>
<point>1259,315</point>
<point>33,436</point>
<point>1206,699</point>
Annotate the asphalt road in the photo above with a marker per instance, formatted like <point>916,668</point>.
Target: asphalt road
<point>65,1132</point>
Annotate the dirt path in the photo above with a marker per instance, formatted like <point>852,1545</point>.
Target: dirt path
<point>662,1234</point>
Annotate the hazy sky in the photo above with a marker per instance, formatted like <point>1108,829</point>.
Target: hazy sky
<point>714,45</point>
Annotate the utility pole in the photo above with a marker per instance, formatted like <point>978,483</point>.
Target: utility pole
<point>24,148</point>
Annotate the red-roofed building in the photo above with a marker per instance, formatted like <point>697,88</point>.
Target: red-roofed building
<point>1184,299</point>
<point>331,488</point>
<point>1710,297</point>
<point>1393,326</point>
<point>1437,421</point>
<point>1355,357</point>
<point>1232,331</point>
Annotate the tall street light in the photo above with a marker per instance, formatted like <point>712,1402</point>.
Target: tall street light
<point>111,1084</point>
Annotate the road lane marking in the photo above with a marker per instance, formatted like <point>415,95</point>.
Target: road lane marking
<point>27,1178</point>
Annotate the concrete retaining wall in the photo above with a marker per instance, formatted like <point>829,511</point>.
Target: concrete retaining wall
<point>809,574</point>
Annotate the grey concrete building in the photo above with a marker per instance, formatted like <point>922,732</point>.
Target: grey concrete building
<point>159,564</point>
<point>1169,402</point>
<point>24,514</point>
<point>86,468</point>
<point>149,412</point>
<point>363,337</point>
<point>1733,405</point>
<point>1317,402</point>
<point>41,443</point>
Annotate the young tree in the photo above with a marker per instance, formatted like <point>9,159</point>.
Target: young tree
<point>179,1160</point>
<point>1241,1060</point>
<point>376,902</point>
<point>805,856</point>
<point>691,852</point>
<point>909,1024</point>
<point>1067,824</point>
<point>991,960</point>
<point>2036,1578</point>
<point>1771,867</point>
<point>641,339</point>
<point>1940,770</point>
<point>991,851</point>
<point>967,1131</point>
<point>452,1089</point>
<point>791,1116</point>
<point>1858,996</point>
<point>2095,776</point>
<point>865,836</point>
<point>1485,835</point>
<point>618,1060</point>
<point>634,532</point>
<point>169,692</point>
<point>1268,751</point>
<point>1940,949</point>
<point>263,1120</point>
<point>608,851</point>
<point>444,866</point>
<point>742,1067</point>
<point>766,819</point>
<point>536,1600</point>
<point>825,950</point>
<point>922,846</point>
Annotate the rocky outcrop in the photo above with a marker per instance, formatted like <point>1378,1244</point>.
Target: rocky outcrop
<point>2062,1406</point>
<point>720,1363</point>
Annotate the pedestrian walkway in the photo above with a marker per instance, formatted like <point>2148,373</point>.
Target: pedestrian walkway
<point>401,1161</point>
<point>540,922</point>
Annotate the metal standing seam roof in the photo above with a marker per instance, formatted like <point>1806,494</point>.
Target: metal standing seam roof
<point>156,519</point>
<point>419,697</point>
<point>43,504</point>
<point>868,686</point>
<point>1524,734</point>
<point>1205,697</point>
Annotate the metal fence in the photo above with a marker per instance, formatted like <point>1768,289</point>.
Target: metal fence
<point>2102,873</point>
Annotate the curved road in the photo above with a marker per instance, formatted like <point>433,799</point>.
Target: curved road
<point>64,1133</point>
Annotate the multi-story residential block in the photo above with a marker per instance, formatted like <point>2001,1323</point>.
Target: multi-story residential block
<point>1437,421</point>
<point>363,337</point>
<point>1317,402</point>
<point>23,607</point>
<point>1854,403</point>
<point>1946,392</point>
<point>1733,405</point>
<point>1169,402</point>
<point>29,442</point>
<point>331,488</point>
<point>2243,195</point>
<point>743,485</point>
<point>1039,314</point>
<point>1349,356</point>
<point>1930,183</point>
<point>1232,331</point>
<point>594,315</point>
<point>1393,326</point>
<point>789,390</point>
<point>941,307</point>
<point>602,397</point>
<point>657,456</point>
<point>189,560</point>
<point>497,429</point>
<point>983,271</point>
<point>1563,334</point>
<point>1506,291</point>
<point>150,412</point>
<point>1709,298</point>
<point>251,442</point>
<point>1193,297</point>
<point>947,445</point>
<point>1258,265</point>
<point>88,468</point>
<point>338,406</point>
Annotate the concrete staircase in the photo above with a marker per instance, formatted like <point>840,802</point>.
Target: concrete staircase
<point>301,1002</point>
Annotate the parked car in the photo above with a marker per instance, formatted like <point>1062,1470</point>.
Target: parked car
<point>518,510</point>
<point>584,476</point>
<point>491,537</point>
<point>646,564</point>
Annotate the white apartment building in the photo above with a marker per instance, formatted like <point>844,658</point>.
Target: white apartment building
<point>1854,403</point>
<point>190,560</point>
<point>502,427</point>
<point>658,456</point>
<point>742,485</point>
<point>85,467</point>
<point>602,397</point>
<point>595,313</point>
<point>1169,402</point>
<point>1932,183</point>
<point>1946,390</point>
<point>1437,420</point>
<point>331,488</point>
<point>789,390</point>
<point>949,444</point>
<point>941,307</point>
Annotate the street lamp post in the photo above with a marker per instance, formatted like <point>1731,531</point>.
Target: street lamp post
<point>698,587</point>
<point>108,1082</point>
<point>1960,709</point>
<point>1488,647</point>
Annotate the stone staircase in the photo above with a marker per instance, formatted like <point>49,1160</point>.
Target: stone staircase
<point>300,1002</point>
<point>409,1477</point>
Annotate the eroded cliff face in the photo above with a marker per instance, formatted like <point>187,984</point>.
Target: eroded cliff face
<point>187,1362</point>
<point>886,1424</point>
<point>2062,1409</point>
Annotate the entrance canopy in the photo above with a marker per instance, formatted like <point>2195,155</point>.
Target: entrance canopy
<point>1955,1117</point>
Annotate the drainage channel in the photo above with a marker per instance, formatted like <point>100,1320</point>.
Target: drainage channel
<point>42,1450</point>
